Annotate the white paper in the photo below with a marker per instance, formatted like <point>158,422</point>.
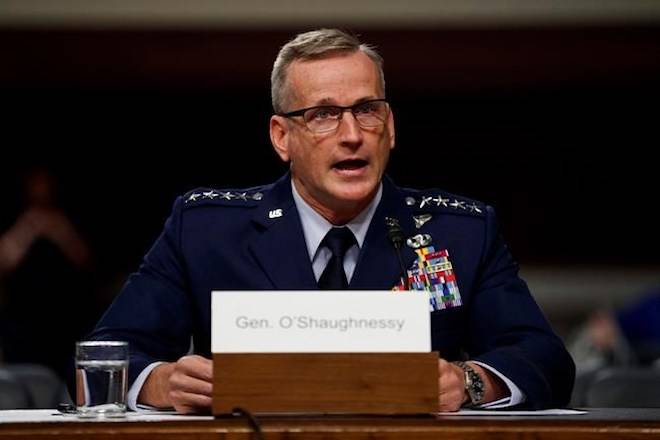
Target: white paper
<point>320,322</point>
<point>505,413</point>
<point>53,416</point>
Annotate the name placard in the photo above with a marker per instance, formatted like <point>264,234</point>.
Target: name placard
<point>320,322</point>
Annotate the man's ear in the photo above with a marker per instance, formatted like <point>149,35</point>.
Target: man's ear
<point>390,129</point>
<point>279,133</point>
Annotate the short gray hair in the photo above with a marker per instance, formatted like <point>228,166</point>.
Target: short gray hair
<point>312,45</point>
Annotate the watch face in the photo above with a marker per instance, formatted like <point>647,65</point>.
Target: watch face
<point>473,383</point>
<point>478,390</point>
<point>475,387</point>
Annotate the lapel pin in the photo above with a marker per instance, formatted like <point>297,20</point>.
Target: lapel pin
<point>421,219</point>
<point>419,240</point>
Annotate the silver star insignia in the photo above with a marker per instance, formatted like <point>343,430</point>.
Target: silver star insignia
<point>457,204</point>
<point>425,201</point>
<point>226,195</point>
<point>440,201</point>
<point>473,207</point>
<point>193,197</point>
<point>210,195</point>
<point>410,201</point>
<point>242,196</point>
<point>257,196</point>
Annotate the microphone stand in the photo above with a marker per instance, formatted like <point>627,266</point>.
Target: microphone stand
<point>396,237</point>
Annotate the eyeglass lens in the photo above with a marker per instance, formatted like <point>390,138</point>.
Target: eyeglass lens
<point>326,118</point>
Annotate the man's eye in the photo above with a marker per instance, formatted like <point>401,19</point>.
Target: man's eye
<point>320,114</point>
<point>367,108</point>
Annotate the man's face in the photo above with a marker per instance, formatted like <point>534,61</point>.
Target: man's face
<point>339,171</point>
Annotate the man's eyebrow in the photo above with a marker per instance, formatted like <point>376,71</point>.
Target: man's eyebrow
<point>331,101</point>
<point>326,101</point>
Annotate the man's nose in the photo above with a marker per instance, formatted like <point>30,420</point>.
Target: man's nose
<point>350,132</point>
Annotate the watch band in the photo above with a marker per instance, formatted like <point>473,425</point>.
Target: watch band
<point>474,385</point>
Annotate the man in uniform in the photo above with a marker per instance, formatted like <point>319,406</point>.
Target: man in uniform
<point>329,223</point>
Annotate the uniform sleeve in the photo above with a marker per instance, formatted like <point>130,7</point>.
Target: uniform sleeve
<point>509,332</point>
<point>153,310</point>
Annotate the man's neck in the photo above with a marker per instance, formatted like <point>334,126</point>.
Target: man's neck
<point>339,215</point>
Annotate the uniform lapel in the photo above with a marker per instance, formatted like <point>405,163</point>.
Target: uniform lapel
<point>279,244</point>
<point>378,267</point>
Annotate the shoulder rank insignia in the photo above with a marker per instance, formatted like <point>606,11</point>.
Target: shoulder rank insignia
<point>203,195</point>
<point>431,201</point>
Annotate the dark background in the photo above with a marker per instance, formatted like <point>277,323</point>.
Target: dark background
<point>555,126</point>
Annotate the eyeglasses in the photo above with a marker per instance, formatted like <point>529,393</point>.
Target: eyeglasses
<point>325,118</point>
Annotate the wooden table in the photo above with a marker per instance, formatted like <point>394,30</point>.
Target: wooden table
<point>612,424</point>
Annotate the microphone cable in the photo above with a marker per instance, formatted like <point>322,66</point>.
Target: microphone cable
<point>252,421</point>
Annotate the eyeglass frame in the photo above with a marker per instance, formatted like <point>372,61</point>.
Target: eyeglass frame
<point>342,108</point>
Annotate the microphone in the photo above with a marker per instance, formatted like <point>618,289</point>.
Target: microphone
<point>396,237</point>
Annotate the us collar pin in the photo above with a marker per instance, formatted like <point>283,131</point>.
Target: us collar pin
<point>275,213</point>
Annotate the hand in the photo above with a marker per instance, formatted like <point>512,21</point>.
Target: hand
<point>185,385</point>
<point>451,386</point>
<point>451,383</point>
<point>53,225</point>
<point>50,223</point>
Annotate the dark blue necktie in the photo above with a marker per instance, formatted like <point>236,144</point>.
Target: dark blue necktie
<point>338,240</point>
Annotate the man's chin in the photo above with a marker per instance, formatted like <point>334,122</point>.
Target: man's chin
<point>355,193</point>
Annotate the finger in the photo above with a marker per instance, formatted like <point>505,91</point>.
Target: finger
<point>181,382</point>
<point>182,409</point>
<point>449,382</point>
<point>449,405</point>
<point>444,367</point>
<point>450,387</point>
<point>451,400</point>
<point>190,399</point>
<point>196,366</point>
<point>190,403</point>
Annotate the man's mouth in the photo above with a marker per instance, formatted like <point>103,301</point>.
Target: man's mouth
<point>350,165</point>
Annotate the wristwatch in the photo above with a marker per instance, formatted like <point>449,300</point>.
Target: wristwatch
<point>474,386</point>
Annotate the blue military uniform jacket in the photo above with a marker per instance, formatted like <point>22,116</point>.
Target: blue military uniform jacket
<point>252,239</point>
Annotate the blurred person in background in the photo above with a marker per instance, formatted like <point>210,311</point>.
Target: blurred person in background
<point>44,268</point>
<point>626,336</point>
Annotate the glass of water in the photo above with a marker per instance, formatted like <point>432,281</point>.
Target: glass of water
<point>101,378</point>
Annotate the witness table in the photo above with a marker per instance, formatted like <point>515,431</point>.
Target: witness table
<point>612,424</point>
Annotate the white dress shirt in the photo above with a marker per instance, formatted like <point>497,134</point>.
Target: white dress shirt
<point>315,227</point>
